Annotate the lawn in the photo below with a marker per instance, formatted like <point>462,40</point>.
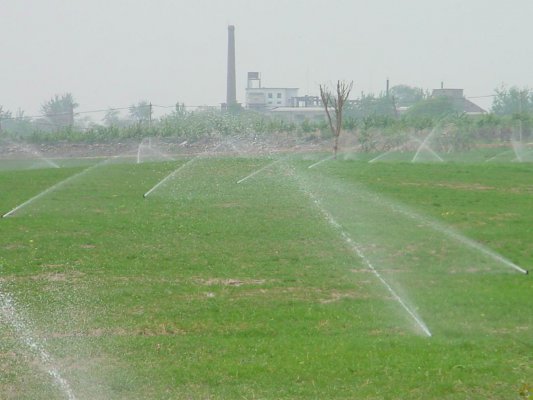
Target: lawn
<point>209,289</point>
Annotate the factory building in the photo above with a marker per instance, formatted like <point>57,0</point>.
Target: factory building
<point>267,98</point>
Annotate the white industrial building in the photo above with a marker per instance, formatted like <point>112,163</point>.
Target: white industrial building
<point>282,103</point>
<point>267,98</point>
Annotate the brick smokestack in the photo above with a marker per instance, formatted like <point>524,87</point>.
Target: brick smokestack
<point>231,94</point>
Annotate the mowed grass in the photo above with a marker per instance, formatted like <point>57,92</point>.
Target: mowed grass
<point>208,289</point>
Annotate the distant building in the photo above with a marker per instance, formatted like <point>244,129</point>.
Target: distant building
<point>282,103</point>
<point>267,98</point>
<point>298,114</point>
<point>458,99</point>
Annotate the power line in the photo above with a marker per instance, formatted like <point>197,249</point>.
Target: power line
<point>66,113</point>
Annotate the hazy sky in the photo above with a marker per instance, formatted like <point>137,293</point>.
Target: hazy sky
<point>112,53</point>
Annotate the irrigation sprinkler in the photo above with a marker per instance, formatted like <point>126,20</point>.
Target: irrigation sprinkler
<point>260,170</point>
<point>423,144</point>
<point>9,314</point>
<point>357,250</point>
<point>383,155</point>
<point>170,176</point>
<point>498,155</point>
<point>173,173</point>
<point>321,161</point>
<point>51,189</point>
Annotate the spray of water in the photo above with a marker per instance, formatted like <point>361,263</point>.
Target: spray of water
<point>437,226</point>
<point>260,170</point>
<point>330,157</point>
<point>424,145</point>
<point>498,155</point>
<point>180,168</point>
<point>52,188</point>
<point>358,251</point>
<point>379,157</point>
<point>10,317</point>
<point>517,148</point>
<point>30,150</point>
<point>151,150</point>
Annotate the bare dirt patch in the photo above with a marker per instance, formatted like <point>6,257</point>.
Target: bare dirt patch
<point>337,296</point>
<point>230,282</point>
<point>13,246</point>
<point>228,205</point>
<point>46,276</point>
<point>453,185</point>
<point>167,329</point>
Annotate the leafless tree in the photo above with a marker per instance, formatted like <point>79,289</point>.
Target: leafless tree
<point>333,105</point>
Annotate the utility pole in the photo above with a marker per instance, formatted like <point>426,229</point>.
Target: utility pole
<point>520,115</point>
<point>150,115</point>
<point>71,115</point>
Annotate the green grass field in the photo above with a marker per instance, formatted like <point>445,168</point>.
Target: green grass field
<point>209,289</point>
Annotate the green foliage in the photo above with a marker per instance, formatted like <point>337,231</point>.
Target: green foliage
<point>371,120</point>
<point>112,118</point>
<point>140,112</point>
<point>512,101</point>
<point>406,96</point>
<point>370,105</point>
<point>59,110</point>
<point>434,107</point>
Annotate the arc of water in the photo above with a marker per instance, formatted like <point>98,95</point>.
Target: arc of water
<point>357,250</point>
<point>385,154</point>
<point>48,161</point>
<point>438,227</point>
<point>347,151</point>
<point>169,176</point>
<point>259,170</point>
<point>152,149</point>
<point>8,314</point>
<point>139,151</point>
<point>423,144</point>
<point>36,153</point>
<point>516,151</point>
<point>162,154</point>
<point>177,170</point>
<point>498,155</point>
<point>52,188</point>
<point>321,161</point>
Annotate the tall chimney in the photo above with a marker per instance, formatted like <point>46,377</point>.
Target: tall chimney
<point>231,94</point>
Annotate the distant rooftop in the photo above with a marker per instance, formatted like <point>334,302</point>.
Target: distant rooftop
<point>457,97</point>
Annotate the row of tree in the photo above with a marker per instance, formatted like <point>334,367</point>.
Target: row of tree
<point>59,113</point>
<point>60,118</point>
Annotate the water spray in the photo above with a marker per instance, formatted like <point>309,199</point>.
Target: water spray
<point>259,170</point>
<point>384,154</point>
<point>177,170</point>
<point>52,188</point>
<point>357,250</point>
<point>423,144</point>
<point>151,150</point>
<point>321,161</point>
<point>20,327</point>
<point>446,230</point>
<point>498,155</point>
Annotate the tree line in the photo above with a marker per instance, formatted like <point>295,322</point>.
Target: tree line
<point>373,118</point>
